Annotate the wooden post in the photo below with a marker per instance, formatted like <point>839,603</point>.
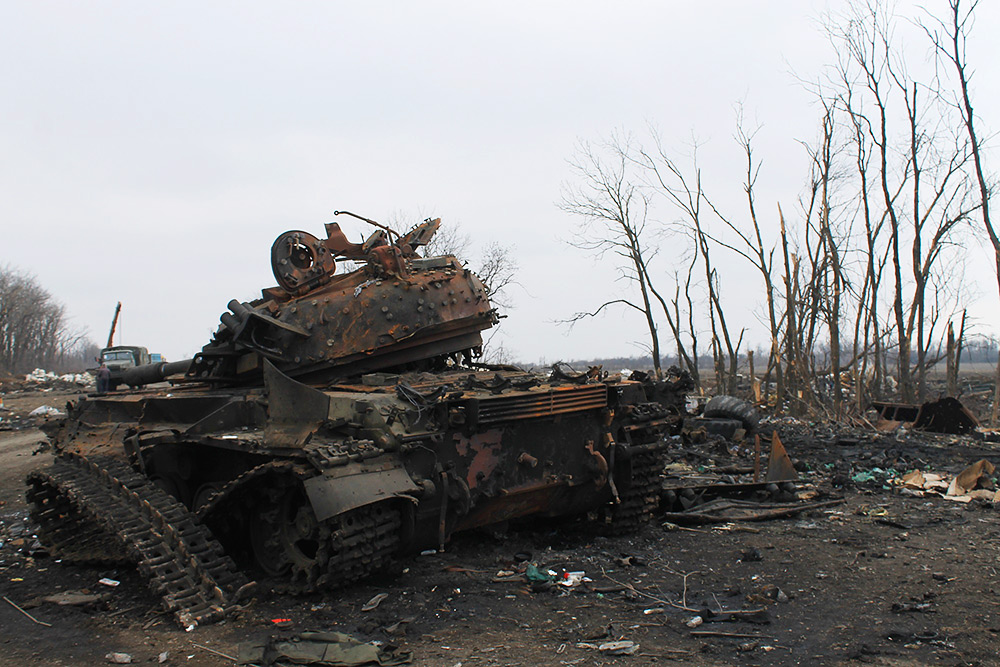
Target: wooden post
<point>952,367</point>
<point>996,394</point>
<point>756,458</point>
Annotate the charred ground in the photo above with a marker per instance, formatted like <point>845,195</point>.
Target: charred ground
<point>882,578</point>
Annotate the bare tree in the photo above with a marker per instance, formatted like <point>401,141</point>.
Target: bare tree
<point>922,181</point>
<point>34,332</point>
<point>865,266</point>
<point>498,270</point>
<point>949,39</point>
<point>683,191</point>
<point>751,245</point>
<point>831,282</point>
<point>614,213</point>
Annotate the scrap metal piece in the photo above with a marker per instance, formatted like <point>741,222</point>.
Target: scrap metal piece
<point>945,415</point>
<point>779,482</point>
<point>779,465</point>
<point>342,489</point>
<point>300,261</point>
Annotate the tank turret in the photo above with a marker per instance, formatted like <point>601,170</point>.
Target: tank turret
<point>395,309</point>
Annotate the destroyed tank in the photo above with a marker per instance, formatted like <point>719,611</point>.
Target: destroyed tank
<point>334,425</point>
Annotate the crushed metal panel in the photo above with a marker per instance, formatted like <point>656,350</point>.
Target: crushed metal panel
<point>945,415</point>
<point>332,495</point>
<point>294,411</point>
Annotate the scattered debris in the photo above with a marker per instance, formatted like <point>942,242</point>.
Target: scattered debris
<point>46,411</point>
<point>119,658</point>
<point>714,633</point>
<point>74,598</point>
<point>374,602</point>
<point>535,576</point>
<point>912,606</point>
<point>974,482</point>
<point>33,619</point>
<point>572,579</point>
<point>611,648</point>
<point>320,648</point>
<point>42,376</point>
<point>210,650</point>
<point>724,511</point>
<point>974,477</point>
<point>618,648</point>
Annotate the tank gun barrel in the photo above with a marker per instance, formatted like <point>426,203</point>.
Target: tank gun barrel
<point>138,376</point>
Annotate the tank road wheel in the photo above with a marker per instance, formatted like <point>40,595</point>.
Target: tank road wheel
<point>204,493</point>
<point>302,554</point>
<point>287,541</point>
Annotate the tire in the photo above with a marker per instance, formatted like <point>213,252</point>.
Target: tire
<point>730,407</point>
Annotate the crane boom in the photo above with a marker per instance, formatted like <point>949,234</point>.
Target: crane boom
<point>114,324</point>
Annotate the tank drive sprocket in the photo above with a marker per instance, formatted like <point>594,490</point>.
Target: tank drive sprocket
<point>295,552</point>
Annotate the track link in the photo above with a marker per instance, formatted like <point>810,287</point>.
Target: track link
<point>363,541</point>
<point>639,503</point>
<point>101,510</point>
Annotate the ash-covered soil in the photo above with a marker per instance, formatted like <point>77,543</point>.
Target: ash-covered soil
<point>883,578</point>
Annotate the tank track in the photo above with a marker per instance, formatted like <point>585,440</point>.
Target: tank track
<point>102,511</point>
<point>350,546</point>
<point>640,502</point>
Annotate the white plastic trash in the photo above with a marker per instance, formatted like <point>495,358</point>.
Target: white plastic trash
<point>45,410</point>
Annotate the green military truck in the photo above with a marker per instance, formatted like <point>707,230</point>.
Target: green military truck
<point>120,358</point>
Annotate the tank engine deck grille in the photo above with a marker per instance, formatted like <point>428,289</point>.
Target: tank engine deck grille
<point>543,404</point>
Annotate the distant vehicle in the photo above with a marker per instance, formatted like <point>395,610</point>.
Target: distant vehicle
<point>120,358</point>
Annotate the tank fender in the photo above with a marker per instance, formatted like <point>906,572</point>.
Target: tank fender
<point>348,487</point>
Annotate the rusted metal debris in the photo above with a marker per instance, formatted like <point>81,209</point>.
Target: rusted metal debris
<point>779,465</point>
<point>945,415</point>
<point>779,483</point>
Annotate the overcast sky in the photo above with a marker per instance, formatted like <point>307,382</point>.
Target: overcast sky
<point>151,152</point>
